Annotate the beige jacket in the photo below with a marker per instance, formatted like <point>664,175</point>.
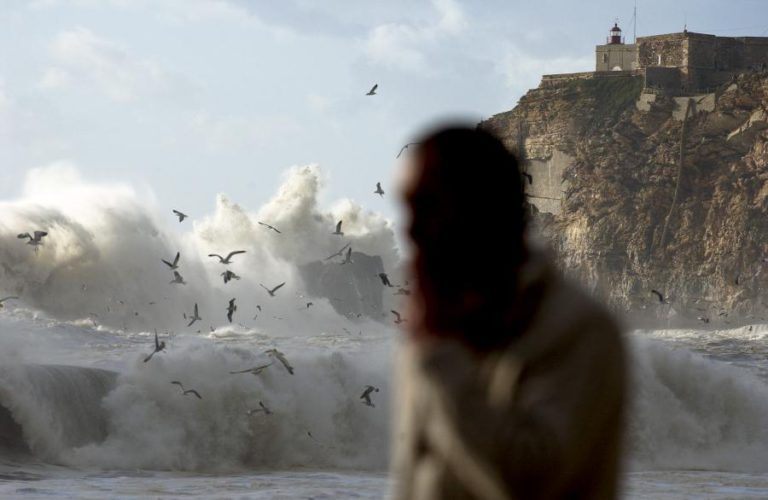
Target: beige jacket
<point>540,420</point>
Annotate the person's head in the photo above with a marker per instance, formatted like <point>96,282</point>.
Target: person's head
<point>464,193</point>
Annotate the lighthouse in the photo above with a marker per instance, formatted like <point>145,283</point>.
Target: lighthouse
<point>615,37</point>
<point>615,55</point>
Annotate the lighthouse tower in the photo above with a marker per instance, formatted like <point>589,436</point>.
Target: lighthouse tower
<point>615,37</point>
<point>615,55</point>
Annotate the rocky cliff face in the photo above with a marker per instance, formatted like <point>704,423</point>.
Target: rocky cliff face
<point>638,192</point>
<point>353,289</point>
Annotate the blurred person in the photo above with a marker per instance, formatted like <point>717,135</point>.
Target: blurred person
<point>511,380</point>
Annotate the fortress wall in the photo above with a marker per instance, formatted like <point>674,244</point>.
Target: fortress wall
<point>670,47</point>
<point>755,51</point>
<point>729,54</point>
<point>556,79</point>
<point>559,78</point>
<point>702,52</point>
<point>658,77</point>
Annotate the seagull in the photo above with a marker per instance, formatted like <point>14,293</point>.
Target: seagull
<point>273,228</point>
<point>4,299</point>
<point>385,279</point>
<point>406,147</point>
<point>398,318</point>
<point>338,229</point>
<point>272,291</point>
<point>180,215</point>
<point>231,308</point>
<point>159,346</point>
<point>256,370</point>
<point>373,90</point>
<point>339,253</point>
<point>35,240</point>
<point>175,263</point>
<point>229,275</point>
<point>195,316</point>
<point>263,408</point>
<point>226,260</point>
<point>379,191</point>
<point>348,258</point>
<point>529,177</point>
<point>188,391</point>
<point>659,295</point>
<point>366,396</point>
<point>280,357</point>
<point>402,291</point>
<point>178,279</point>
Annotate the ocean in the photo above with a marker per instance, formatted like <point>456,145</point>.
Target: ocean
<point>82,415</point>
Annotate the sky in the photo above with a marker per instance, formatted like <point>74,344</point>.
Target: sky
<point>185,99</point>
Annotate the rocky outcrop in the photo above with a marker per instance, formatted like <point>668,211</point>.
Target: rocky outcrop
<point>628,165</point>
<point>353,289</point>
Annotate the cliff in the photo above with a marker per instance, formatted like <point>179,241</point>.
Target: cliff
<point>353,289</point>
<point>637,191</point>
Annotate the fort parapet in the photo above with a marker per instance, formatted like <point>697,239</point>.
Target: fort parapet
<point>685,63</point>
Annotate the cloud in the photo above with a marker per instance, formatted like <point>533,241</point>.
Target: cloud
<point>82,57</point>
<point>405,46</point>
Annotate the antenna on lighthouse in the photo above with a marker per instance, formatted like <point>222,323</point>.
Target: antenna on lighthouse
<point>634,22</point>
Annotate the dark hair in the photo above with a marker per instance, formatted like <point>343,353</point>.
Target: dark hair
<point>467,225</point>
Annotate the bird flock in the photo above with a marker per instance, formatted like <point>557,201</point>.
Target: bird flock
<point>174,265</point>
<point>36,238</point>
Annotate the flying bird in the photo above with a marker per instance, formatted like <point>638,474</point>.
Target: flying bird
<point>373,90</point>
<point>366,396</point>
<point>385,279</point>
<point>529,177</point>
<point>402,291</point>
<point>231,308</point>
<point>309,304</point>
<point>379,191</point>
<point>159,346</point>
<point>398,318</point>
<point>175,263</point>
<point>35,240</point>
<point>281,358</point>
<point>659,295</point>
<point>178,279</point>
<point>348,258</point>
<point>406,147</point>
<point>195,316</point>
<point>339,253</point>
<point>263,408</point>
<point>187,391</point>
<point>273,228</point>
<point>256,370</point>
<point>4,299</point>
<point>229,275</point>
<point>272,291</point>
<point>338,229</point>
<point>180,215</point>
<point>227,259</point>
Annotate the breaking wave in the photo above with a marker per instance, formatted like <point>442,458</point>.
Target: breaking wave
<point>97,288</point>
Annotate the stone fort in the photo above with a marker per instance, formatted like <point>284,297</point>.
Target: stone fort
<point>678,64</point>
<point>681,66</point>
